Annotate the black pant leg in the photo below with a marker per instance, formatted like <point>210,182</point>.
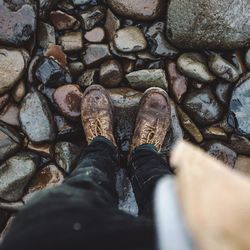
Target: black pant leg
<point>146,167</point>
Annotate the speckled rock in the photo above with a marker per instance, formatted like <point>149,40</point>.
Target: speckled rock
<point>17,25</point>
<point>130,39</point>
<point>66,155</point>
<point>10,141</point>
<point>238,116</point>
<point>71,41</point>
<point>12,65</point>
<point>89,77</point>
<point>194,66</point>
<point>36,119</point>
<point>137,9</point>
<point>202,106</point>
<point>143,79</point>
<point>15,174</point>
<point>208,24</point>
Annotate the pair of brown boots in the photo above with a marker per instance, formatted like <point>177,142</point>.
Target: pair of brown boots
<point>152,123</point>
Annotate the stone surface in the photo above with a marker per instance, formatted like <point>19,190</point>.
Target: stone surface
<point>51,73</point>
<point>222,68</point>
<point>4,100</point>
<point>116,52</point>
<point>247,58</point>
<point>243,165</point>
<point>45,35</point>
<point>19,91</point>
<point>238,116</point>
<point>15,174</point>
<point>223,91</point>
<point>48,177</point>
<point>95,54</point>
<point>112,24</point>
<point>240,144</point>
<point>130,39</point>
<point>189,126</point>
<point>208,24</point>
<point>194,66</point>
<point>95,35</point>
<point>202,106</point>
<point>177,82</point>
<point>71,41</point>
<point>89,77</point>
<point>10,114</point>
<point>16,26</point>
<point>10,141</point>
<point>221,152</point>
<point>46,150</point>
<point>214,133</point>
<point>56,52</point>
<point>137,9</point>
<point>36,118</point>
<point>76,68</point>
<point>68,101</point>
<point>92,16</point>
<point>238,61</point>
<point>12,65</point>
<point>144,79</point>
<point>66,155</point>
<point>110,74</point>
<point>63,21</point>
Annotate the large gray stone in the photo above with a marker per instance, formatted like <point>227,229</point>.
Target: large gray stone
<point>210,24</point>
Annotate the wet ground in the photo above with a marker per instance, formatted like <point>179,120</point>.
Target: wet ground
<point>51,51</point>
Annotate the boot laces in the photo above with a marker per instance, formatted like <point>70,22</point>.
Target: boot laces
<point>96,127</point>
<point>149,137</point>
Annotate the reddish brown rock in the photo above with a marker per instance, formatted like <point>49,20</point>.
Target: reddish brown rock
<point>177,82</point>
<point>63,21</point>
<point>95,35</point>
<point>56,52</point>
<point>68,100</point>
<point>110,74</point>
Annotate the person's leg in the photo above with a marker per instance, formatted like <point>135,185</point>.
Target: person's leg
<point>146,165</point>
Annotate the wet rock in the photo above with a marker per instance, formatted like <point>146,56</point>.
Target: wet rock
<point>177,82</point>
<point>116,52</point>
<point>240,144</point>
<point>92,16</point>
<point>66,155</point>
<point>112,24</point>
<point>214,133</point>
<point>202,106</point>
<point>189,126</point>
<point>95,35</point>
<point>222,68</point>
<point>10,114</point>
<point>130,39</point>
<point>51,73</point>
<point>221,152</point>
<point>157,27</point>
<point>63,21</point>
<point>243,165</point>
<point>95,54</point>
<point>48,177</point>
<point>157,65</point>
<point>208,24</point>
<point>16,26</point>
<point>71,41</point>
<point>76,68</point>
<point>110,74</point>
<point>68,101</point>
<point>4,100</point>
<point>10,141</point>
<point>144,79</point>
<point>89,77</point>
<point>222,92</point>
<point>18,92</point>
<point>194,66</point>
<point>137,9</point>
<point>36,119</point>
<point>125,101</point>
<point>56,52</point>
<point>12,65</point>
<point>238,116</point>
<point>160,47</point>
<point>15,174</point>
<point>45,35</point>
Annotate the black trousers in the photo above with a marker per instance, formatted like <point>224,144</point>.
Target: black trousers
<point>82,213</point>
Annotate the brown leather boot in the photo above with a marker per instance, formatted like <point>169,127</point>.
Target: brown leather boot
<point>96,113</point>
<point>153,119</point>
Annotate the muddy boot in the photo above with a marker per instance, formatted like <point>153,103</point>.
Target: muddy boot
<point>153,119</point>
<point>96,114</point>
